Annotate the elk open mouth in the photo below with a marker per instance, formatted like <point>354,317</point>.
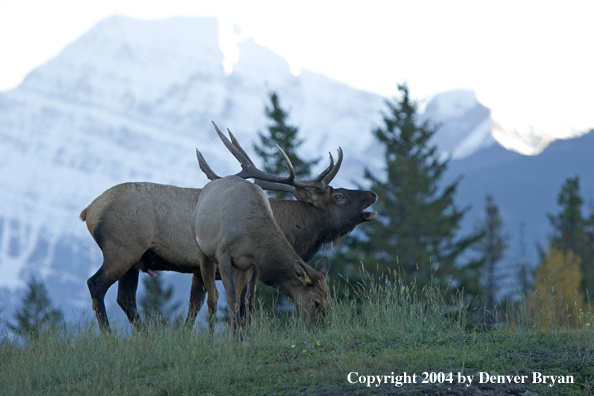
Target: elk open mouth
<point>368,216</point>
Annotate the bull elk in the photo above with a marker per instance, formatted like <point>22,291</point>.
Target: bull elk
<point>146,227</point>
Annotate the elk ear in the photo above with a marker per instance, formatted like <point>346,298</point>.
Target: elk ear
<point>309,195</point>
<point>323,265</point>
<point>301,273</point>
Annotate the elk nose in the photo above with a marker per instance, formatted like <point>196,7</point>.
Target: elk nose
<point>373,195</point>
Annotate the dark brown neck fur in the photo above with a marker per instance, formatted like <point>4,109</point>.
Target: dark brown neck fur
<point>306,227</point>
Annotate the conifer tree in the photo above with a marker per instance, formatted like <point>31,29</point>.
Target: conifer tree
<point>37,313</point>
<point>285,135</point>
<point>570,231</point>
<point>415,229</point>
<point>491,248</point>
<point>569,224</point>
<point>156,302</point>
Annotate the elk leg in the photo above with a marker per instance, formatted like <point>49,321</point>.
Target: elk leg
<point>208,270</point>
<point>242,307</point>
<point>241,278</point>
<point>98,285</point>
<point>247,272</point>
<point>127,287</point>
<point>250,296</point>
<point>116,263</point>
<point>227,276</point>
<point>197,295</point>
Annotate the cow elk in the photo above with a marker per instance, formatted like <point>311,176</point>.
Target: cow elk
<point>234,227</point>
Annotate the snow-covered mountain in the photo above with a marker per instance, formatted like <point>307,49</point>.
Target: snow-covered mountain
<point>130,101</point>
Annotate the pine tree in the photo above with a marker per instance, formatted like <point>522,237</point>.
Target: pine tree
<point>570,230</point>
<point>569,224</point>
<point>156,302</point>
<point>491,248</point>
<point>37,313</point>
<point>417,219</point>
<point>285,135</point>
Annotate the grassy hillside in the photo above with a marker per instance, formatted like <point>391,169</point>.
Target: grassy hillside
<point>393,329</point>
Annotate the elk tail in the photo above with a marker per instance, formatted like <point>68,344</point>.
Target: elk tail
<point>83,214</point>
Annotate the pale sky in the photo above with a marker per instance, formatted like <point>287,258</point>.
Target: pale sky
<point>531,62</point>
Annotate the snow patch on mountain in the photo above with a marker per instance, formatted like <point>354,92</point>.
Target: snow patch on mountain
<point>464,125</point>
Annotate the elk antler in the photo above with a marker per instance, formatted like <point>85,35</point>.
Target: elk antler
<point>320,183</point>
<point>266,185</point>
<point>265,180</point>
<point>323,180</point>
<point>205,167</point>
<point>248,170</point>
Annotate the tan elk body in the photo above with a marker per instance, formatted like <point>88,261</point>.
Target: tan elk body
<point>239,234</point>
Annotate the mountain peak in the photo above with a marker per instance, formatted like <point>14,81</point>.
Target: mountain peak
<point>452,104</point>
<point>259,62</point>
<point>464,125</point>
<point>124,63</point>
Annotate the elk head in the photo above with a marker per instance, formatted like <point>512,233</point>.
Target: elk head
<point>311,300</point>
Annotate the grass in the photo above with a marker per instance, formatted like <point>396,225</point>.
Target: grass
<point>392,329</point>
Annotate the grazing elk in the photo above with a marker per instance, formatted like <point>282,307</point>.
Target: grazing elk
<point>234,227</point>
<point>146,227</point>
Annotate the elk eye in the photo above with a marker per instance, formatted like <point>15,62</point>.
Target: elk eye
<point>338,197</point>
<point>317,304</point>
